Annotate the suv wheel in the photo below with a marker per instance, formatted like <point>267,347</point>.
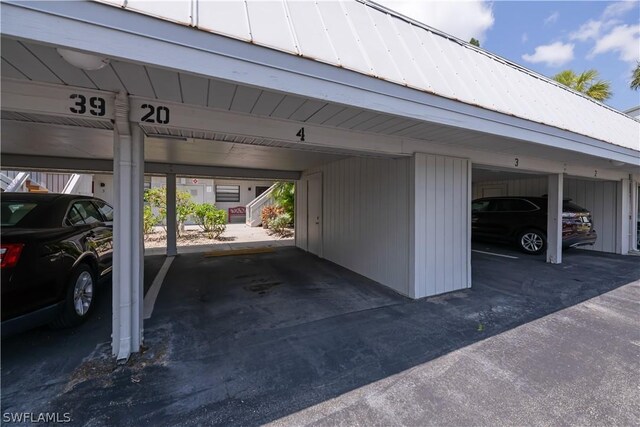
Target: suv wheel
<point>532,242</point>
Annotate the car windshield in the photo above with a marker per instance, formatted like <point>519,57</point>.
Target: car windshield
<point>13,212</point>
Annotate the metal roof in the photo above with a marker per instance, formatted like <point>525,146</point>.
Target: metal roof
<point>367,38</point>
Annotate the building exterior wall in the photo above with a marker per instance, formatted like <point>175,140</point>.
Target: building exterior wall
<point>441,243</point>
<point>365,225</point>
<point>203,190</point>
<point>103,188</point>
<point>599,197</point>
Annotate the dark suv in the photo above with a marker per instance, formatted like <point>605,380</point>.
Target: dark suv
<point>523,220</point>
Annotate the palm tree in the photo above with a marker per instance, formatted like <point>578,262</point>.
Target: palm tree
<point>635,77</point>
<point>586,82</point>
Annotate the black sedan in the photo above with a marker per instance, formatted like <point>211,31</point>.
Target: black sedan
<point>54,250</point>
<point>523,221</point>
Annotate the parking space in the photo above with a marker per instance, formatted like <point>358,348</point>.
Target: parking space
<point>251,339</point>
<point>36,364</point>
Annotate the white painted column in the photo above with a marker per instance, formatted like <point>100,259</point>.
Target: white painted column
<point>635,197</point>
<point>624,217</point>
<point>554,218</point>
<point>172,249</point>
<point>440,210</point>
<point>128,256</point>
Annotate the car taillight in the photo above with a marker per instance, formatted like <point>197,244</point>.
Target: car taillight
<point>10,254</point>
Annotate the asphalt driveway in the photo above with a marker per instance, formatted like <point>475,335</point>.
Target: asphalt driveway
<point>287,338</point>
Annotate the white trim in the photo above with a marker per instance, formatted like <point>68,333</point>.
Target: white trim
<point>554,218</point>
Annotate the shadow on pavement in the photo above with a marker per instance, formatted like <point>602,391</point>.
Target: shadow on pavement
<point>249,339</point>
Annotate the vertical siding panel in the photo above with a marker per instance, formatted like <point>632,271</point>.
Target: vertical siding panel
<point>440,224</point>
<point>448,224</point>
<point>365,213</point>
<point>429,274</point>
<point>458,193</point>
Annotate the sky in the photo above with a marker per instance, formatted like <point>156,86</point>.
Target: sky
<point>546,36</point>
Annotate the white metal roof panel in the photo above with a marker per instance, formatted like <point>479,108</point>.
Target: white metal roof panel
<point>372,43</point>
<point>367,38</point>
<point>225,17</point>
<point>310,31</point>
<point>174,10</point>
<point>270,25</point>
<point>345,42</point>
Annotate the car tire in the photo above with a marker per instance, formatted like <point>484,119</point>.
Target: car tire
<point>79,298</point>
<point>532,242</point>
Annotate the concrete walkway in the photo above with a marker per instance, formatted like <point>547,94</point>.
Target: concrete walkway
<point>236,236</point>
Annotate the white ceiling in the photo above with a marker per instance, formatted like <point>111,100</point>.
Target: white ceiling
<point>78,142</point>
<point>30,61</point>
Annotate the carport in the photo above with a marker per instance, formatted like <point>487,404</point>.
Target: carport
<point>599,196</point>
<point>380,142</point>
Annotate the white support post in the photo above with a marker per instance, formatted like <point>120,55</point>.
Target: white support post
<point>634,245</point>
<point>128,256</point>
<point>554,219</point>
<point>624,217</point>
<point>172,249</point>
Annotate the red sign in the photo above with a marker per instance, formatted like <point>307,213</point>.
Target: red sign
<point>194,180</point>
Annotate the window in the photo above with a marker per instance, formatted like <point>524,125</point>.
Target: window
<point>480,206</point>
<point>105,209</point>
<point>512,205</point>
<point>13,212</point>
<point>88,211</point>
<point>227,193</point>
<point>260,190</point>
<point>74,217</point>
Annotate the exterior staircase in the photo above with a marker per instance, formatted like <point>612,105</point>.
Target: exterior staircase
<point>254,208</point>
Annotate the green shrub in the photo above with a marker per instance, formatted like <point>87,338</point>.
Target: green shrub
<point>284,197</point>
<point>150,220</point>
<point>211,220</point>
<point>157,198</point>
<point>280,223</point>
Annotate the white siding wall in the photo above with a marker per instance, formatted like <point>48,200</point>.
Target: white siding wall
<point>365,218</point>
<point>599,197</point>
<point>104,192</point>
<point>440,237</point>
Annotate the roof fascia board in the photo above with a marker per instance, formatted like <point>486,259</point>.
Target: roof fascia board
<point>118,34</point>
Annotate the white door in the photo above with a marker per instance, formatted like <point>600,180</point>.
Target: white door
<point>314,214</point>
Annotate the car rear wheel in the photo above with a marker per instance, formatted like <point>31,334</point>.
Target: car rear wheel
<point>532,242</point>
<point>79,298</point>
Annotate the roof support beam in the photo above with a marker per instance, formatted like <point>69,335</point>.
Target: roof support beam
<point>65,164</point>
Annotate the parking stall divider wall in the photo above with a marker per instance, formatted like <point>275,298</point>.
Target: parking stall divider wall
<point>440,255</point>
<point>403,222</point>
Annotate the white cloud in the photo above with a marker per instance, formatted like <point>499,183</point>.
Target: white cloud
<point>552,19</point>
<point>524,38</point>
<point>553,55</point>
<point>623,39</point>
<point>618,8</point>
<point>588,30</point>
<point>462,19</point>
